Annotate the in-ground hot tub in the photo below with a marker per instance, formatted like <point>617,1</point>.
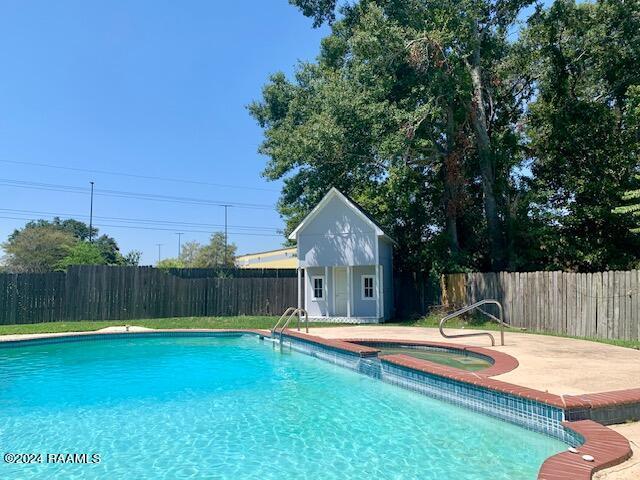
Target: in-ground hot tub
<point>449,356</point>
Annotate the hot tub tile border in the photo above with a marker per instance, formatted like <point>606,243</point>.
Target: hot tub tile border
<point>502,362</point>
<point>399,370</point>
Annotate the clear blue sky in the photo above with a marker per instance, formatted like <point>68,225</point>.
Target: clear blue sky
<point>150,88</point>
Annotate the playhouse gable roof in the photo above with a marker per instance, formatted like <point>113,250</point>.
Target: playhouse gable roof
<point>335,193</point>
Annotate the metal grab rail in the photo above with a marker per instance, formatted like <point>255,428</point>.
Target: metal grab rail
<point>296,312</point>
<point>286,312</point>
<point>477,305</point>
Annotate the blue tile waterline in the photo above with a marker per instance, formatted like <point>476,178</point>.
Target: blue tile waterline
<point>351,405</point>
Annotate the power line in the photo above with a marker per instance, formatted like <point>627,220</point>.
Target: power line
<point>133,175</point>
<point>102,225</point>
<point>124,194</point>
<point>226,233</point>
<point>137,220</point>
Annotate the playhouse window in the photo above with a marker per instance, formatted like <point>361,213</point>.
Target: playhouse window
<point>318,288</point>
<point>368,291</point>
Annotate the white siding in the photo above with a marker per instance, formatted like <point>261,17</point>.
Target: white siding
<point>362,308</point>
<point>336,236</point>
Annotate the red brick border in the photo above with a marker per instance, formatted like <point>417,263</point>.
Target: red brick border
<point>353,348</point>
<point>503,363</point>
<point>607,447</point>
<point>609,399</point>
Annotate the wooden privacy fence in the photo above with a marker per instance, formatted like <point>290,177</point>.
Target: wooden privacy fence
<point>598,305</point>
<point>602,305</point>
<point>415,293</point>
<point>110,293</point>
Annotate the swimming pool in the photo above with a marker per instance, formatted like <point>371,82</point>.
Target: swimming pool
<point>173,407</point>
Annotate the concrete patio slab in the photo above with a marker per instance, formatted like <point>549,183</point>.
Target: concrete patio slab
<point>563,366</point>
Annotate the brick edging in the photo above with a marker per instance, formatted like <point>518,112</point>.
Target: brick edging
<point>480,380</point>
<point>609,399</point>
<point>608,448</point>
<point>504,363</point>
<point>352,348</point>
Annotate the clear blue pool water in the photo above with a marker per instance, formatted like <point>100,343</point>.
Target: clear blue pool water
<point>186,407</point>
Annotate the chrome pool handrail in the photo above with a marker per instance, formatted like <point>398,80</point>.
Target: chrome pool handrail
<point>286,312</point>
<point>477,305</point>
<point>296,312</point>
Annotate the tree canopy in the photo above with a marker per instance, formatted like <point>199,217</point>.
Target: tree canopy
<point>477,141</point>
<point>196,255</point>
<point>44,245</point>
<point>38,248</point>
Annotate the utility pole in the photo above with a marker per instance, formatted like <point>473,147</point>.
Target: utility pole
<point>91,216</point>
<point>159,251</point>
<point>179,243</point>
<point>225,234</point>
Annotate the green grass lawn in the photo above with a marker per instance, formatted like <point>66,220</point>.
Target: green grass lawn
<point>183,322</point>
<point>430,321</point>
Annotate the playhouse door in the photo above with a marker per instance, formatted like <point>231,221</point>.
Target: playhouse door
<point>340,292</point>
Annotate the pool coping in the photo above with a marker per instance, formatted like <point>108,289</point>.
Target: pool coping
<point>28,338</point>
<point>608,447</point>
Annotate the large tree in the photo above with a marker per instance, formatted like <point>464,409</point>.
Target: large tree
<point>82,253</point>
<point>36,249</point>
<point>218,252</point>
<point>46,245</point>
<point>211,255</point>
<point>478,140</point>
<point>404,111</point>
<point>583,131</point>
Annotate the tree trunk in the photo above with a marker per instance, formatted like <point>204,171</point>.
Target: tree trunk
<point>479,120</point>
<point>450,174</point>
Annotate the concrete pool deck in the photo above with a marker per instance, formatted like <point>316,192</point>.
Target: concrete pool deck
<point>563,366</point>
